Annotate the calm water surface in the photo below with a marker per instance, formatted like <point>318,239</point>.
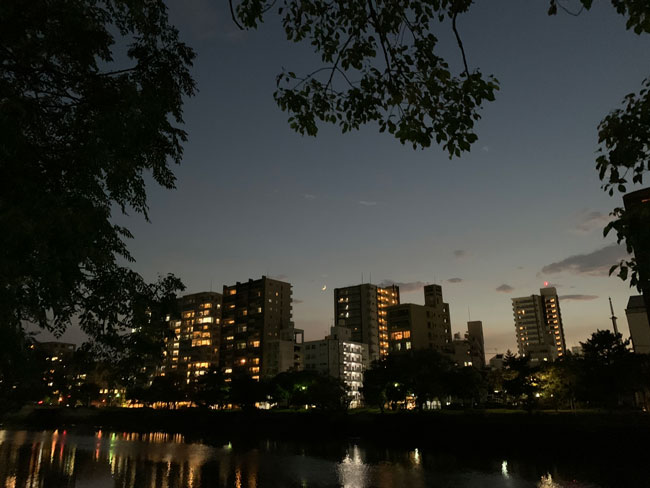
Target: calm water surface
<point>110,459</point>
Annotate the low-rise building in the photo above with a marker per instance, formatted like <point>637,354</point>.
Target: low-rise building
<point>496,361</point>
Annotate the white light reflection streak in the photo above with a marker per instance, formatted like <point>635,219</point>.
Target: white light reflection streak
<point>352,470</point>
<point>504,469</point>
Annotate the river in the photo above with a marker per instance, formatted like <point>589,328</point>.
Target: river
<point>103,459</point>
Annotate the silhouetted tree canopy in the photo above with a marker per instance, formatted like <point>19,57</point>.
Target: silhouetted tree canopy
<point>379,63</point>
<point>90,106</point>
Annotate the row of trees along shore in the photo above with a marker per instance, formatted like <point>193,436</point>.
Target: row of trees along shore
<point>606,376</point>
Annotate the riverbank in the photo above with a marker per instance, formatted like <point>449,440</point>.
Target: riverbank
<point>504,431</point>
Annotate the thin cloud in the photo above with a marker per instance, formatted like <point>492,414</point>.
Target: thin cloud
<point>460,253</point>
<point>308,196</point>
<point>279,277</point>
<point>404,287</point>
<point>504,288</point>
<point>590,221</point>
<point>579,298</point>
<point>455,280</point>
<point>595,263</point>
<point>367,203</point>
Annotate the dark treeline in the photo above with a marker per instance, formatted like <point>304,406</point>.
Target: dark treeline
<point>607,375</point>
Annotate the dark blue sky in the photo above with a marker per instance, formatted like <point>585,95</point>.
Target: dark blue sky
<point>256,198</point>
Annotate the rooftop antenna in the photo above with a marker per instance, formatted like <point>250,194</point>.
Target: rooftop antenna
<point>613,317</point>
<point>370,279</point>
<point>362,278</point>
<point>469,315</point>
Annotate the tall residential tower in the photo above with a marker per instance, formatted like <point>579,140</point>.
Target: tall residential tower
<point>362,309</point>
<point>257,333</point>
<point>538,325</point>
<point>193,347</point>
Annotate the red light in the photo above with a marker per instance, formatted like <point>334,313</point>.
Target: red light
<point>40,402</point>
<point>546,283</point>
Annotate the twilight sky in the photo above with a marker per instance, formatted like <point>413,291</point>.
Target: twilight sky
<point>524,207</point>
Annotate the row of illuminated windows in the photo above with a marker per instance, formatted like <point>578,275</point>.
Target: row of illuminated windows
<point>403,334</point>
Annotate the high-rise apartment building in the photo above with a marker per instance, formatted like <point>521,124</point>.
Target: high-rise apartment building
<point>362,309</point>
<point>338,356</point>
<point>256,321</point>
<point>193,347</point>
<point>477,342</point>
<point>637,321</point>
<point>538,325</point>
<point>428,326</point>
<point>433,298</point>
<point>412,326</point>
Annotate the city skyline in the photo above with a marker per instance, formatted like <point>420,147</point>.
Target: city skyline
<point>322,211</point>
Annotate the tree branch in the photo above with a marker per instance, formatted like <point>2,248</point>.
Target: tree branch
<point>338,58</point>
<point>566,10</point>
<point>234,17</point>
<point>382,37</point>
<point>460,43</point>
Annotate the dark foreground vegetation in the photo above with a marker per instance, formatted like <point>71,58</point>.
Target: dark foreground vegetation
<point>606,376</point>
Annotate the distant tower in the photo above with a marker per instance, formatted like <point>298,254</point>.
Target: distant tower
<point>613,317</point>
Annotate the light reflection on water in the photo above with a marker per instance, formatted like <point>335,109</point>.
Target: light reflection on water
<point>132,460</point>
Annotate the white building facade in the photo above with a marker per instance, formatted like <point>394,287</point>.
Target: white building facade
<point>340,357</point>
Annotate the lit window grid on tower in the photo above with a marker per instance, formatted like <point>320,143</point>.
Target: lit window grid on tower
<point>553,321</point>
<point>385,298</point>
<point>194,345</point>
